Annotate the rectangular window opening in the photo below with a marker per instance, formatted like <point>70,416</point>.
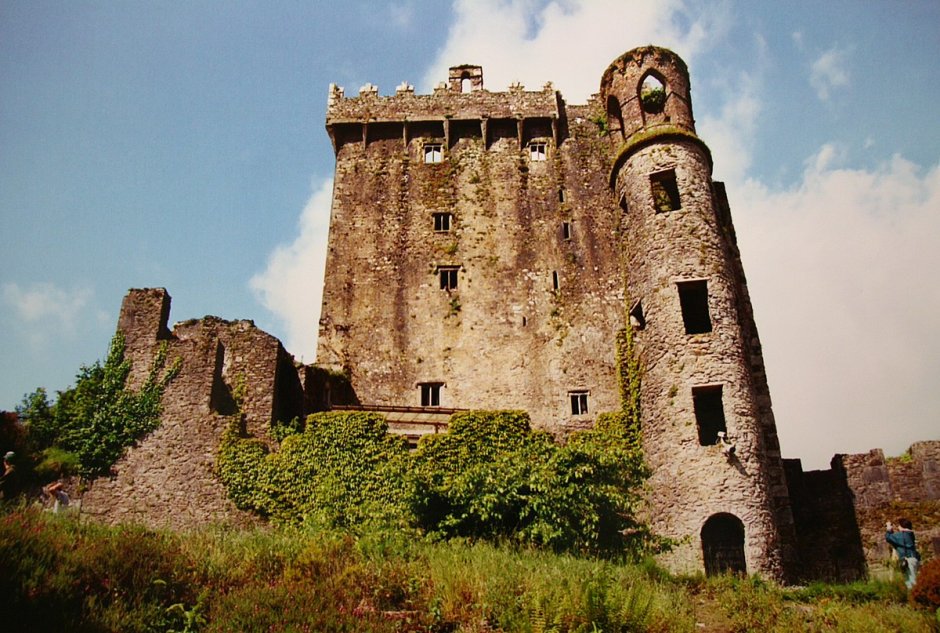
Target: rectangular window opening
<point>561,195</point>
<point>693,297</point>
<point>555,279</point>
<point>442,222</point>
<point>433,152</point>
<point>448,277</point>
<point>537,151</point>
<point>709,414</point>
<point>430,393</point>
<point>579,402</point>
<point>665,191</point>
<point>566,230</point>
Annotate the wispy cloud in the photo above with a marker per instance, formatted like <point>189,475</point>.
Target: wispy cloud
<point>291,286</point>
<point>829,72</point>
<point>567,43</point>
<point>401,14</point>
<point>44,310</point>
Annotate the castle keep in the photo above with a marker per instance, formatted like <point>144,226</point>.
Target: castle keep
<point>490,250</point>
<point>487,248</point>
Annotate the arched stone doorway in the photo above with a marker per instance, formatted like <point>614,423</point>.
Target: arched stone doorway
<point>723,544</point>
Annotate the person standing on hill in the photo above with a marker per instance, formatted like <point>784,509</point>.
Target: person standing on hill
<point>902,539</point>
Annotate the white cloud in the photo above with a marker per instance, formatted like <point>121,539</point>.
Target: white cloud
<point>730,133</point>
<point>401,14</point>
<point>568,43</point>
<point>829,72</point>
<point>45,310</point>
<point>839,271</point>
<point>292,284</point>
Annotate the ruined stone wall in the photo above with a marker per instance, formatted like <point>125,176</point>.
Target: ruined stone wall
<point>169,477</point>
<point>841,512</point>
<point>505,337</point>
<point>886,489</point>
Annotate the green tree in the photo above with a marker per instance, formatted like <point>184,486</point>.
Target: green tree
<point>94,421</point>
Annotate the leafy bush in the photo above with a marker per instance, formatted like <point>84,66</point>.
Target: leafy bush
<point>653,99</point>
<point>926,591</point>
<point>97,418</point>
<point>343,470</point>
<point>490,476</point>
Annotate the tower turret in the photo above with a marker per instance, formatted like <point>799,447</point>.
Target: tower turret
<point>708,428</point>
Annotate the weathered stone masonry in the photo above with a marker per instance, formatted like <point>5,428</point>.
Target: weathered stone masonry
<point>485,251</point>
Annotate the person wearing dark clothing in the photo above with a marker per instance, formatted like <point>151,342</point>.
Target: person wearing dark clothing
<point>902,539</point>
<point>9,487</point>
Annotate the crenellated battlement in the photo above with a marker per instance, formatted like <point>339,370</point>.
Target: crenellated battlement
<point>448,113</point>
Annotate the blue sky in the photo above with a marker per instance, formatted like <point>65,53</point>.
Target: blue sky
<point>182,145</point>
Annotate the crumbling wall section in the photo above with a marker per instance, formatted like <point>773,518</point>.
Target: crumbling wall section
<point>885,489</point>
<point>169,478</point>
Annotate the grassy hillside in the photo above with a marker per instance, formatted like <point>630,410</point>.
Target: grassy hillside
<point>60,574</point>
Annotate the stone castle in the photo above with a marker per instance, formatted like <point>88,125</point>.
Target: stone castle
<point>488,250</point>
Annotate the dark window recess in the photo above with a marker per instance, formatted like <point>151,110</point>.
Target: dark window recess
<point>709,414</point>
<point>555,279</point>
<point>561,195</point>
<point>442,222</point>
<point>579,402</point>
<point>637,318</point>
<point>524,321</point>
<point>431,394</point>
<point>665,191</point>
<point>448,278</point>
<point>623,204</point>
<point>693,297</point>
<point>566,230</point>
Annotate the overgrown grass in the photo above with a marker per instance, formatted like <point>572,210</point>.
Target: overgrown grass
<point>63,575</point>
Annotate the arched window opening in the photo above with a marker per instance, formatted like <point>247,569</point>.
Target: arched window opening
<point>723,545</point>
<point>652,94</point>
<point>614,116</point>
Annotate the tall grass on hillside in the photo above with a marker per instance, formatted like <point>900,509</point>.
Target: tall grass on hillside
<point>61,575</point>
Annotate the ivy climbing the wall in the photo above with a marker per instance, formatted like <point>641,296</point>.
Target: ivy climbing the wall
<point>343,470</point>
<point>89,425</point>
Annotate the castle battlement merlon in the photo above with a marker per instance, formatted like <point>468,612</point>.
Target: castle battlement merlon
<point>448,113</point>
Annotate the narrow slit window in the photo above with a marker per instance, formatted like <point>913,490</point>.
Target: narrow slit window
<point>448,277</point>
<point>537,151</point>
<point>430,394</point>
<point>693,297</point>
<point>566,230</point>
<point>442,222</point>
<point>433,152</point>
<point>709,414</point>
<point>555,280</point>
<point>561,195</point>
<point>665,191</point>
<point>579,402</point>
<point>637,318</point>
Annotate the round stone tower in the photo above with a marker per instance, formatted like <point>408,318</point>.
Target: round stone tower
<point>708,431</point>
